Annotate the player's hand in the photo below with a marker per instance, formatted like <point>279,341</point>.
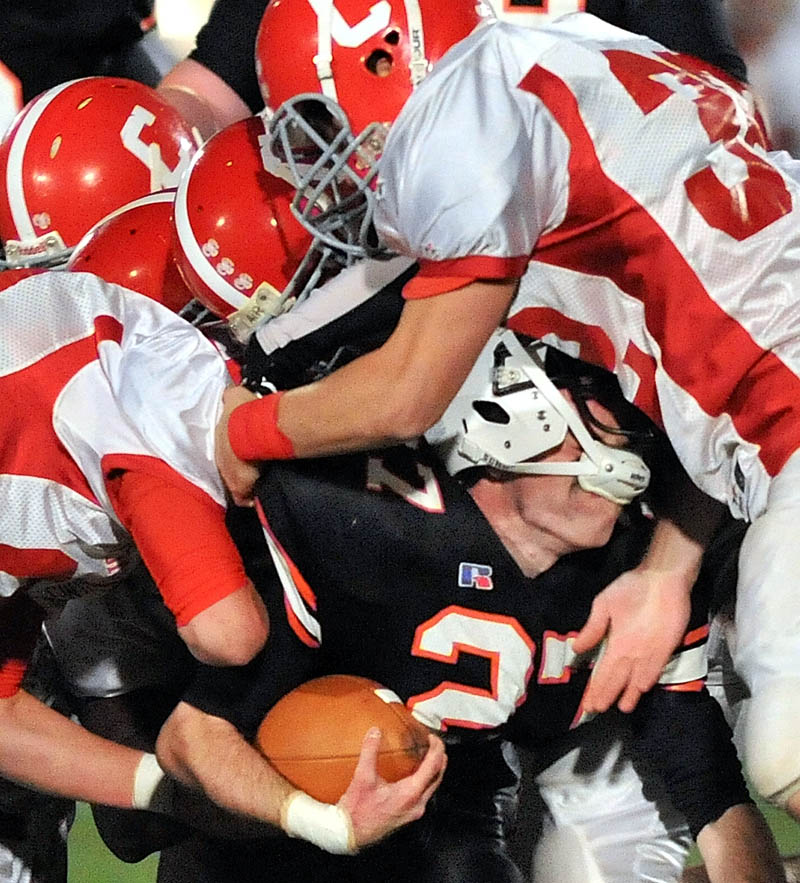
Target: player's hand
<point>378,807</point>
<point>238,475</point>
<point>643,614</point>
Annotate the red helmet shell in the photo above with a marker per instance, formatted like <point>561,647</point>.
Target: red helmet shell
<point>233,221</point>
<point>133,248</point>
<point>12,276</point>
<point>363,33</point>
<point>77,152</point>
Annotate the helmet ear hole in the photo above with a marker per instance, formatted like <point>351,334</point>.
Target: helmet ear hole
<point>392,38</point>
<point>491,412</point>
<point>380,63</point>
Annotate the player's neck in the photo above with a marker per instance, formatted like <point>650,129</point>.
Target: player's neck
<point>534,549</point>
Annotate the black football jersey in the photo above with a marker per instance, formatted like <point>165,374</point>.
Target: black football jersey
<point>385,567</point>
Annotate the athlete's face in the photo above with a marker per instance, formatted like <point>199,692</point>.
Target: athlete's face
<point>551,515</point>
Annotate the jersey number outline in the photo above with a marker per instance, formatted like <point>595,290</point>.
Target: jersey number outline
<point>501,640</point>
<point>737,192</point>
<point>428,497</point>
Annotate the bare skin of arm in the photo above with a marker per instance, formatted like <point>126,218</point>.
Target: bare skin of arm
<point>51,753</point>
<point>207,752</point>
<point>229,632</point>
<point>737,848</point>
<point>387,396</point>
<point>644,612</point>
<point>202,98</point>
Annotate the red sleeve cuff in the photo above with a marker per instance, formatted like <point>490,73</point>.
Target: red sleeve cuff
<point>12,671</point>
<point>20,627</point>
<point>421,287</point>
<point>254,434</point>
<point>439,277</point>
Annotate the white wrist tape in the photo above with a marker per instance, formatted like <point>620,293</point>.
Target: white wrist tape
<point>323,824</point>
<point>146,780</point>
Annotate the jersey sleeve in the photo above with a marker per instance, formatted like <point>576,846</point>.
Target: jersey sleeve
<point>180,533</point>
<point>471,207</point>
<point>685,737</point>
<point>226,46</point>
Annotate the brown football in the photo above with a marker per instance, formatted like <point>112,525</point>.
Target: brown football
<point>313,735</point>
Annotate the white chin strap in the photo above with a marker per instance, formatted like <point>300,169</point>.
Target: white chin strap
<point>617,474</point>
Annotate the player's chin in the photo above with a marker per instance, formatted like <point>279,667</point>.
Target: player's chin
<point>597,521</point>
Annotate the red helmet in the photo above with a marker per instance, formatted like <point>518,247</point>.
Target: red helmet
<point>235,231</point>
<point>354,65</point>
<point>366,56</point>
<point>133,248</point>
<point>77,152</point>
<point>11,277</point>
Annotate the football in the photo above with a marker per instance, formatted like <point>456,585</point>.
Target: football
<point>313,735</point>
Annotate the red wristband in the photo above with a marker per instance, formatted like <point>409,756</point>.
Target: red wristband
<point>254,434</point>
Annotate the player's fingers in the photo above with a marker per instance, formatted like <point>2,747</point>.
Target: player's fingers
<point>608,680</point>
<point>367,766</point>
<point>646,675</point>
<point>593,631</point>
<point>432,766</point>
<point>426,779</point>
<point>629,699</point>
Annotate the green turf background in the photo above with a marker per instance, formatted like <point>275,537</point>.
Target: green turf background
<point>91,862</point>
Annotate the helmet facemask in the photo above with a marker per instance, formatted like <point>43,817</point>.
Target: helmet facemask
<point>333,171</point>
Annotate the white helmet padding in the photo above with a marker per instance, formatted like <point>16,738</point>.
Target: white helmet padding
<point>508,412</point>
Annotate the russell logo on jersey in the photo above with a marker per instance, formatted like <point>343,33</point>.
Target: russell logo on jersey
<point>475,576</point>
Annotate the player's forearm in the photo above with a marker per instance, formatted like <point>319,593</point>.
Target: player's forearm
<point>682,533</point>
<point>392,394</point>
<point>51,753</point>
<point>208,753</point>
<point>739,848</point>
<point>204,100</point>
<point>672,551</point>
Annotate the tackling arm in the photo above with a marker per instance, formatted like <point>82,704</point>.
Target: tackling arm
<point>644,612</point>
<point>204,100</point>
<point>738,846</point>
<point>47,751</point>
<point>199,573</point>
<point>685,735</point>
<point>390,395</point>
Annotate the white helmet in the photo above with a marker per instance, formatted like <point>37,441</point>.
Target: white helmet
<point>509,411</point>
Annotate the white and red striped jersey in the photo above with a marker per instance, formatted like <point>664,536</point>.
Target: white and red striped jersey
<point>632,192</point>
<point>96,380</point>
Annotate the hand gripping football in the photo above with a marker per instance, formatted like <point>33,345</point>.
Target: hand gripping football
<point>313,735</point>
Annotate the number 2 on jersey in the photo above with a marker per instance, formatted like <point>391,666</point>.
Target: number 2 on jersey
<point>456,630</point>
